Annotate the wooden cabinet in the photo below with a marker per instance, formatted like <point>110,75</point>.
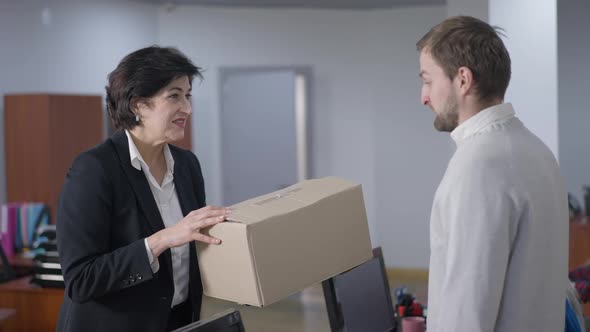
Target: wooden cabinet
<point>579,245</point>
<point>43,135</point>
<point>5,317</point>
<point>580,249</point>
<point>35,309</point>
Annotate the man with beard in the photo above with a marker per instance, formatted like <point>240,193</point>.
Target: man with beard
<point>499,224</point>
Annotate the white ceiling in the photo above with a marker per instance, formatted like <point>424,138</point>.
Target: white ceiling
<point>333,4</point>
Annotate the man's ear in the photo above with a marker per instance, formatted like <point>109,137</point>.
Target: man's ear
<point>465,80</point>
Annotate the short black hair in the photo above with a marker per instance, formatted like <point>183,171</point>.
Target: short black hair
<point>142,74</point>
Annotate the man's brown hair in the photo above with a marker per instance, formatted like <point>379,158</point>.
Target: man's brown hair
<point>465,41</point>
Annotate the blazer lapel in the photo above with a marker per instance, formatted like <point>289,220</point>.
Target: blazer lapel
<point>184,185</point>
<point>142,190</point>
<point>139,183</point>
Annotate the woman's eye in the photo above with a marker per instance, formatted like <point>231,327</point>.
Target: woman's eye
<point>188,96</point>
<point>174,96</point>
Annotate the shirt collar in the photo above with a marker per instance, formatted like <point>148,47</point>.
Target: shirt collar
<point>480,121</point>
<point>137,160</point>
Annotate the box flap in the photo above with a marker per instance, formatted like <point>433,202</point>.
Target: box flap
<point>287,200</point>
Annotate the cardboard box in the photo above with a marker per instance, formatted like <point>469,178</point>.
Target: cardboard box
<point>280,243</point>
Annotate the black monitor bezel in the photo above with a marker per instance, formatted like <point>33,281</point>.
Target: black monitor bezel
<point>222,320</point>
<point>335,318</point>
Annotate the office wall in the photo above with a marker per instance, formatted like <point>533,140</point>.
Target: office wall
<point>475,8</point>
<point>531,29</point>
<point>66,46</point>
<point>410,155</point>
<point>574,86</point>
<point>367,122</point>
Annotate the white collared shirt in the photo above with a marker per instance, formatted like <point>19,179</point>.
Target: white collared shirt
<point>498,232</point>
<point>483,121</point>
<point>167,201</point>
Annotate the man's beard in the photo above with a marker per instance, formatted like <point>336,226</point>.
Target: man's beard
<point>448,119</point>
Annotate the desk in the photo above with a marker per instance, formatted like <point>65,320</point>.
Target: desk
<point>579,244</point>
<point>22,266</point>
<point>5,315</point>
<point>580,248</point>
<point>37,309</point>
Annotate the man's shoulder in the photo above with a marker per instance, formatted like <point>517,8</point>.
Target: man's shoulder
<point>482,155</point>
<point>503,148</point>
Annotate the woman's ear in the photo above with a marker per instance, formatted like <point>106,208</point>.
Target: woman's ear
<point>136,106</point>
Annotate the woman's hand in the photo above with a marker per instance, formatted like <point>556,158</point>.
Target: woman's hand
<point>188,229</point>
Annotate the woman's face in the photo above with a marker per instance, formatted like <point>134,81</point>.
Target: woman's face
<point>164,116</point>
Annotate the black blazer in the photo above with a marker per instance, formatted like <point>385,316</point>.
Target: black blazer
<point>106,210</point>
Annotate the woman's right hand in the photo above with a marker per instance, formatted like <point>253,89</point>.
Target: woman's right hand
<point>188,229</point>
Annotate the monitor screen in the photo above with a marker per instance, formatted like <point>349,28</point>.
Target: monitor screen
<point>227,321</point>
<point>360,299</point>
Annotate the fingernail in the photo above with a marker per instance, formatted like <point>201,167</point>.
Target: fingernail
<point>218,241</point>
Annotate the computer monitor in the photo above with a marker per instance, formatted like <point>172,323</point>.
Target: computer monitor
<point>227,321</point>
<point>359,300</point>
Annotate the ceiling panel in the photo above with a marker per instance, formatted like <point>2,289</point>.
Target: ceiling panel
<point>334,4</point>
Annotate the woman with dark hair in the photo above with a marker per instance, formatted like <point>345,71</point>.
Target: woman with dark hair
<point>132,207</point>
